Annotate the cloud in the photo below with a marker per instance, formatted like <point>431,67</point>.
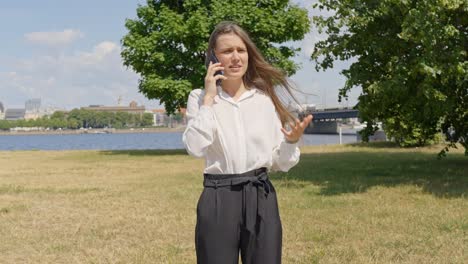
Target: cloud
<point>96,76</point>
<point>54,38</point>
<point>305,3</point>
<point>308,44</point>
<point>100,52</point>
<point>311,38</point>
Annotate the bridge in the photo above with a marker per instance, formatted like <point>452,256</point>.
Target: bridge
<point>327,121</point>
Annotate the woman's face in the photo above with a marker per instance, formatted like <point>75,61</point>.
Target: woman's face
<point>232,53</point>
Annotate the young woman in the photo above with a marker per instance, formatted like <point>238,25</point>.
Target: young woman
<point>238,128</point>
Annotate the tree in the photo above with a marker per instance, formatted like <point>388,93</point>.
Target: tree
<point>58,115</point>
<point>166,43</point>
<point>73,123</point>
<point>147,120</point>
<point>5,125</point>
<point>410,60</point>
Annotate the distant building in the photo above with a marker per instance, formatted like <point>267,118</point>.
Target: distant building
<point>33,105</point>
<point>309,107</point>
<point>160,118</point>
<point>15,114</point>
<point>2,111</point>
<point>184,116</point>
<point>32,115</point>
<point>132,108</point>
<point>50,110</point>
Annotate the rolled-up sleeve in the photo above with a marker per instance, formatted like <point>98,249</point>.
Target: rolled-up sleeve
<point>201,126</point>
<point>285,155</point>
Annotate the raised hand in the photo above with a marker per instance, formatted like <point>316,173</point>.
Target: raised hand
<point>210,78</point>
<point>297,129</point>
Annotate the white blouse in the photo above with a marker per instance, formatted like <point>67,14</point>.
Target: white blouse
<point>236,137</point>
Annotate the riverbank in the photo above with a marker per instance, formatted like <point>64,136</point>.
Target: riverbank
<point>347,130</point>
<point>95,131</point>
<point>360,203</point>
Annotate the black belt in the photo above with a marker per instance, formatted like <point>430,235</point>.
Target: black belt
<point>253,198</point>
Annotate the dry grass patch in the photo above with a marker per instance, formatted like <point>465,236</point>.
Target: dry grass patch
<point>341,204</point>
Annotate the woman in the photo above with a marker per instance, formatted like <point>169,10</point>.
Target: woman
<point>238,128</point>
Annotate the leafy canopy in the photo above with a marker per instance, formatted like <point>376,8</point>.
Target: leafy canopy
<point>166,43</point>
<point>410,60</point>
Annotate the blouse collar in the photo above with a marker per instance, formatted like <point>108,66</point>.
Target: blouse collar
<point>223,95</point>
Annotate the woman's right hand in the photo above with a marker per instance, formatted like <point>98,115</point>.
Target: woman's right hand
<point>210,79</point>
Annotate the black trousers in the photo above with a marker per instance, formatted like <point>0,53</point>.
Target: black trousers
<point>238,212</point>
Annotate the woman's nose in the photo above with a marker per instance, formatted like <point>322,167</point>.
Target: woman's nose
<point>235,56</point>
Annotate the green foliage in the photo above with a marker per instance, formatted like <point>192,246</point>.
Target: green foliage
<point>147,120</point>
<point>167,41</point>
<point>177,117</point>
<point>5,125</point>
<point>410,61</point>
<point>78,118</point>
<point>58,115</point>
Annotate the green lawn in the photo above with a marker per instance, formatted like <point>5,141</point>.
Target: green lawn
<point>341,204</point>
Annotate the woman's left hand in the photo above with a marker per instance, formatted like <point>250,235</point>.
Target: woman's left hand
<point>296,129</point>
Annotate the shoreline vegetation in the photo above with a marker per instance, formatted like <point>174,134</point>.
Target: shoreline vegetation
<point>95,131</point>
<point>354,203</point>
<point>351,130</point>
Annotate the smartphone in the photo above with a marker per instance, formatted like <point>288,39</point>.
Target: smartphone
<point>213,60</point>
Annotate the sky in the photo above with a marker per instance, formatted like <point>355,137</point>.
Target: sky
<point>67,53</point>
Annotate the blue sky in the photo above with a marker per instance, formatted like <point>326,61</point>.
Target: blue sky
<point>67,54</point>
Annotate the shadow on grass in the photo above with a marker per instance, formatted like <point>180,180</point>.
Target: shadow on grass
<point>356,172</point>
<point>145,152</point>
<point>379,144</point>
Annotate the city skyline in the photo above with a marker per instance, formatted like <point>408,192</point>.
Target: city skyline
<point>68,54</point>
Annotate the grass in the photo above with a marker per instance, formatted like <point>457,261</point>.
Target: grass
<point>341,204</point>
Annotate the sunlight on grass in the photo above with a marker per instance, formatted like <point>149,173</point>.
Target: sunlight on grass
<point>341,204</point>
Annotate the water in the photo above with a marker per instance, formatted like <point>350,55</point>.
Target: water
<point>124,141</point>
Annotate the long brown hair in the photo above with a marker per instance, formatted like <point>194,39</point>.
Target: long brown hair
<point>260,74</point>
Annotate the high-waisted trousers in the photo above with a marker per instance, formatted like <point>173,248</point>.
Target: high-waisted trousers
<point>238,213</point>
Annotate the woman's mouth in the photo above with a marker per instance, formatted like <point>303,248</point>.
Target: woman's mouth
<point>235,68</point>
